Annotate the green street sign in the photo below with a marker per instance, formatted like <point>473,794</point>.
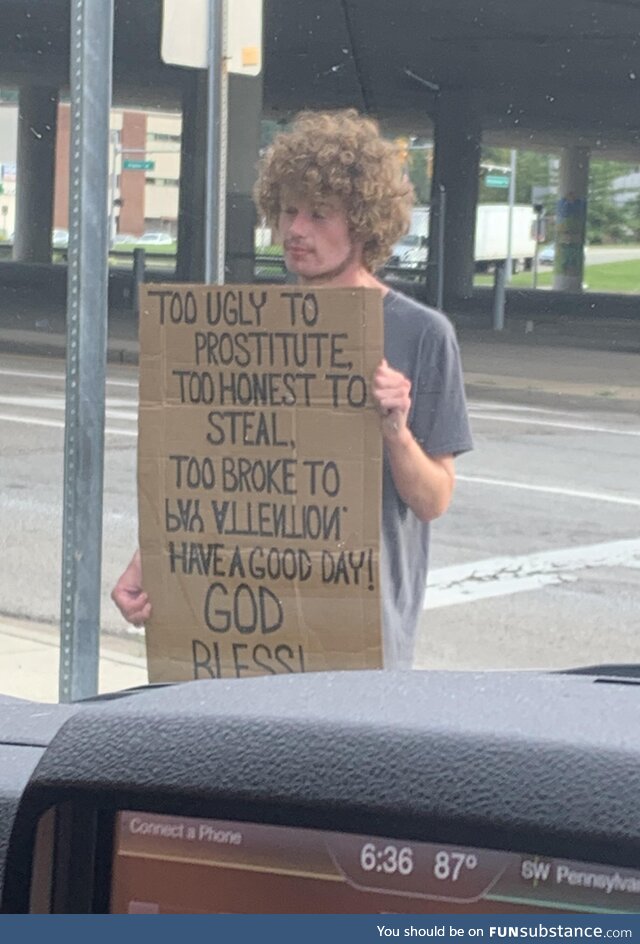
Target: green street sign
<point>497,180</point>
<point>138,165</point>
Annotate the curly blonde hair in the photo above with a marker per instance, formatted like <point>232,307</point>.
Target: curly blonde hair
<point>340,155</point>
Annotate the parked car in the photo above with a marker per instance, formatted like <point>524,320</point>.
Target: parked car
<point>155,239</point>
<point>410,252</point>
<point>547,255</point>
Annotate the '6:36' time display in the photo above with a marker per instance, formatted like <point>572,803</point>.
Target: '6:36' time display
<point>387,858</point>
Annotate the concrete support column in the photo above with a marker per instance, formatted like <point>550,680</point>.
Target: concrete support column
<point>245,110</point>
<point>571,219</point>
<point>245,113</point>
<point>456,166</point>
<point>36,156</point>
<point>190,261</point>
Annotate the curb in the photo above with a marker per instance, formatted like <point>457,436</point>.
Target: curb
<point>477,385</point>
<point>42,348</point>
<point>551,399</point>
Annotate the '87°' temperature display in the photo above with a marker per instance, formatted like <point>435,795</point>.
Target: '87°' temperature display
<point>391,858</point>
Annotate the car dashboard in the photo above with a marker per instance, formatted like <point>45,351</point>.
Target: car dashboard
<point>365,792</point>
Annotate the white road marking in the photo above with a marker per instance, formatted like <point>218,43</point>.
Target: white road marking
<point>502,576</point>
<point>123,401</point>
<point>55,402</point>
<point>582,427</point>
<point>515,408</point>
<point>38,375</point>
<point>59,424</point>
<point>551,490</point>
<point>44,403</point>
<point>58,404</point>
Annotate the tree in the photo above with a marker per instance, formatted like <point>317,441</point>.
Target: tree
<point>607,221</point>
<point>419,166</point>
<point>632,211</point>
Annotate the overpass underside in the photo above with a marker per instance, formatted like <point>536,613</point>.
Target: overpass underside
<point>560,77</point>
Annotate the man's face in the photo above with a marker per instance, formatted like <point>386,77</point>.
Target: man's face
<point>316,239</point>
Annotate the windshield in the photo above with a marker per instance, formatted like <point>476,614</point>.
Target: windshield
<point>516,181</point>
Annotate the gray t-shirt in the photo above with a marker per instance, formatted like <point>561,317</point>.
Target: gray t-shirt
<point>421,343</point>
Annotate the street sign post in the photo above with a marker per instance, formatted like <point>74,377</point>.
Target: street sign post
<point>186,32</point>
<point>87,310</point>
<point>217,126</point>
<point>222,36</point>
<point>512,200</point>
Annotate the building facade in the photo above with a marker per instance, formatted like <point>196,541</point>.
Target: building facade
<point>144,171</point>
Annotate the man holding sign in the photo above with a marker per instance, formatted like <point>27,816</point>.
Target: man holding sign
<point>335,190</point>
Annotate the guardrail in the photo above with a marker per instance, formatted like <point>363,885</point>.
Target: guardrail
<point>265,265</point>
<point>411,274</point>
<point>407,273</point>
<point>6,251</point>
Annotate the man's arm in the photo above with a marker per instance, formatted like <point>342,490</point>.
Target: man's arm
<point>129,596</point>
<point>424,483</point>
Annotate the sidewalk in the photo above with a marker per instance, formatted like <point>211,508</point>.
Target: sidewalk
<point>544,371</point>
<point>30,655</point>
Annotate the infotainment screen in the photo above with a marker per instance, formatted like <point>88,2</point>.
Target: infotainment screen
<point>180,865</point>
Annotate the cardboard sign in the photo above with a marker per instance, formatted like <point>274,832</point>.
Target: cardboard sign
<point>260,479</point>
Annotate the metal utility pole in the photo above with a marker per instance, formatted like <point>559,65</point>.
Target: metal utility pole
<point>442,217</point>
<point>91,74</point>
<point>217,122</point>
<point>499,286</point>
<point>538,209</point>
<point>113,157</point>
<point>512,200</point>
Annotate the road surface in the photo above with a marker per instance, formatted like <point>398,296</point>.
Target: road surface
<point>537,564</point>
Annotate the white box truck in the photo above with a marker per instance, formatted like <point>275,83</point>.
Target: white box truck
<point>492,229</point>
<point>492,222</point>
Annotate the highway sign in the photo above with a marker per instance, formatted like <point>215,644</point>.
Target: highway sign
<point>129,164</point>
<point>497,180</point>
